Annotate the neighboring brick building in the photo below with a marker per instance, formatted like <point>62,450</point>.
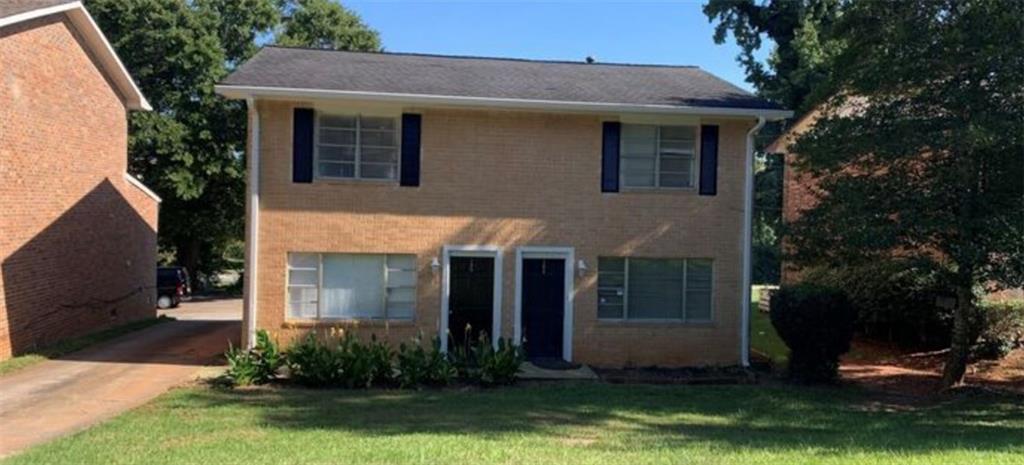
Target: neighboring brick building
<point>397,193</point>
<point>77,233</point>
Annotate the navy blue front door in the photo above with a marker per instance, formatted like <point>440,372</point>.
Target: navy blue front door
<point>543,307</point>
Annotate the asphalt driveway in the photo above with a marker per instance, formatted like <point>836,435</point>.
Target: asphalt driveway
<point>64,395</point>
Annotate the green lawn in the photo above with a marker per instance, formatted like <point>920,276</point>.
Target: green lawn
<point>763,338</point>
<point>75,344</point>
<point>589,423</point>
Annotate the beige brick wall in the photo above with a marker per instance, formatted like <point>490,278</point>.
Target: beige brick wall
<point>511,179</point>
<point>77,241</point>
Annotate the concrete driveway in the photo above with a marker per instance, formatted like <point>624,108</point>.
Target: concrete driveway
<point>61,396</point>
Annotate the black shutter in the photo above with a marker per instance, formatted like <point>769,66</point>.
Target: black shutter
<point>708,160</point>
<point>410,149</point>
<point>302,145</point>
<point>610,156</point>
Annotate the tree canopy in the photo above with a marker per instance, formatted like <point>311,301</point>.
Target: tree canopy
<point>921,153</point>
<point>190,148</point>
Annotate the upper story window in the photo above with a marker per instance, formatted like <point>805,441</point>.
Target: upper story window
<point>658,156</point>
<point>356,147</point>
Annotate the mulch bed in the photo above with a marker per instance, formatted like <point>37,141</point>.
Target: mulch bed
<point>656,375</point>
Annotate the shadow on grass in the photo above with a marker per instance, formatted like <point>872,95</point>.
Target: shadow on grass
<point>754,417</point>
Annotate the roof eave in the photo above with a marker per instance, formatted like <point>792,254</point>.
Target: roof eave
<point>97,43</point>
<point>243,92</point>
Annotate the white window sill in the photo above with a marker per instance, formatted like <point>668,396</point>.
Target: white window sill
<point>343,322</point>
<point>654,323</point>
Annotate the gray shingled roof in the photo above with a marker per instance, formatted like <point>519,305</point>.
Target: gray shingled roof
<point>13,7</point>
<point>415,74</point>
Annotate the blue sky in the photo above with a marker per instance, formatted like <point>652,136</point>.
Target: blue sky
<point>625,32</point>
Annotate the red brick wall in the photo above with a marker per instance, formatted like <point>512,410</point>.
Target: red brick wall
<point>77,241</point>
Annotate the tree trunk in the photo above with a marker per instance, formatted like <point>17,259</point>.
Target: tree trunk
<point>960,344</point>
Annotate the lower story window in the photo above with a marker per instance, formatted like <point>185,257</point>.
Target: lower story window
<point>351,286</point>
<point>654,289</point>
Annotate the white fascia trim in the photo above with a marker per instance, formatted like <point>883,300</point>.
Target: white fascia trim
<point>142,187</point>
<point>253,229</point>
<point>96,42</point>
<point>240,92</point>
<point>748,213</point>
<point>39,13</point>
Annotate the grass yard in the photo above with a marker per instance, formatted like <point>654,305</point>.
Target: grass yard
<point>590,423</point>
<point>763,338</point>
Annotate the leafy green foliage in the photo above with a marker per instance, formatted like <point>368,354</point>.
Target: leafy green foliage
<point>480,362</point>
<point>896,301</point>
<point>313,363</point>
<point>805,44</point>
<point>817,325</point>
<point>190,149</point>
<point>418,366</point>
<point>258,365</point>
<point>325,24</point>
<point>767,257</point>
<point>1001,329</point>
<point>920,155</point>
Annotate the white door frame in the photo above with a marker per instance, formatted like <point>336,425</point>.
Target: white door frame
<point>449,251</point>
<point>569,255</point>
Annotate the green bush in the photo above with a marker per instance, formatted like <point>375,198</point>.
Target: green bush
<point>314,363</point>
<point>479,362</point>
<point>341,360</point>
<point>416,366</point>
<point>895,302</point>
<point>817,324</point>
<point>254,366</point>
<point>365,365</point>
<point>1000,329</point>
<point>498,366</point>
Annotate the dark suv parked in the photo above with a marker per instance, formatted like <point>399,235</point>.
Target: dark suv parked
<point>172,286</point>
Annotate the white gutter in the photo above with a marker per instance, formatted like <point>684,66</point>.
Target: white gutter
<point>240,92</point>
<point>142,187</point>
<point>252,230</point>
<point>748,220</point>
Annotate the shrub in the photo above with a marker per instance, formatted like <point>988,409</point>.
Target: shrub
<point>498,366</point>
<point>341,360</point>
<point>257,365</point>
<point>1000,329</point>
<point>417,366</point>
<point>817,324</point>
<point>314,363</point>
<point>895,302</point>
<point>479,362</point>
<point>365,365</point>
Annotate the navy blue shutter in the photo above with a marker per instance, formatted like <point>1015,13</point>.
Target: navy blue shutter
<point>708,160</point>
<point>610,156</point>
<point>411,124</point>
<point>302,145</point>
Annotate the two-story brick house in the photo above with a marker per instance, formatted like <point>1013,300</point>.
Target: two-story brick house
<point>77,232</point>
<point>599,213</point>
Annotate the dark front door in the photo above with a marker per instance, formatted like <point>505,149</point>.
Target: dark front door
<point>543,302</point>
<point>471,298</point>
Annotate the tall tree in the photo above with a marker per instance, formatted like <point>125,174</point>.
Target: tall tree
<point>190,149</point>
<point>804,44</point>
<point>794,75</point>
<point>922,153</point>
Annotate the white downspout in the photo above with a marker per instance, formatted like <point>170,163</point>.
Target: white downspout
<point>252,230</point>
<point>748,220</point>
